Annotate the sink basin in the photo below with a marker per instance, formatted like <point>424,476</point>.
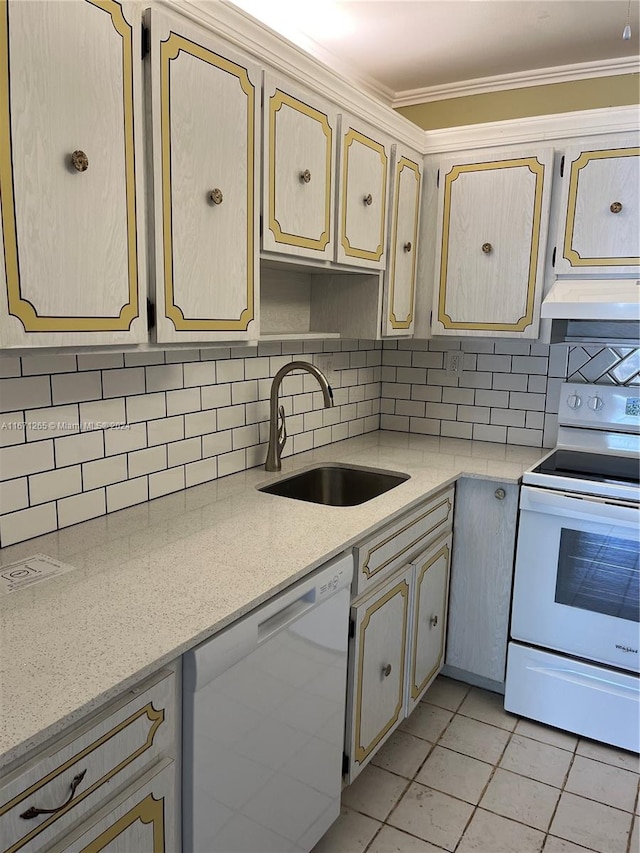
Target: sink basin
<point>336,485</point>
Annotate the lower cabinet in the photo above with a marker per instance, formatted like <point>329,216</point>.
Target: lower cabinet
<point>481,581</point>
<point>141,820</point>
<point>397,649</point>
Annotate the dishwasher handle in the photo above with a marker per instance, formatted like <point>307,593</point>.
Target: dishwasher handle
<point>286,616</point>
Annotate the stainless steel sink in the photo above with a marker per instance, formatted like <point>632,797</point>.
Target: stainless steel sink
<point>336,485</point>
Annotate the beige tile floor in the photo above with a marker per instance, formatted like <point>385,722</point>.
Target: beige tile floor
<point>463,775</point>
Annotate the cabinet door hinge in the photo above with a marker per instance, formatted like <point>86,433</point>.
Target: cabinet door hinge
<point>562,166</point>
<point>352,628</point>
<point>145,35</point>
<point>438,178</point>
<point>151,314</point>
<point>553,257</point>
<point>345,764</point>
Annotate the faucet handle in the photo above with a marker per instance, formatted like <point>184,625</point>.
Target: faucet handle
<point>282,429</point>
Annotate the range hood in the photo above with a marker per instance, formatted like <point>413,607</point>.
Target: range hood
<point>593,299</point>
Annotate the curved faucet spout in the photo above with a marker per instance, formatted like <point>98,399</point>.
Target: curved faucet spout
<point>277,431</point>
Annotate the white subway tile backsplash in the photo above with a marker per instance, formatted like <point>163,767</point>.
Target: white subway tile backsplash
<point>22,459</point>
<point>245,436</point>
<point>121,495</point>
<point>216,443</point>
<point>230,371</point>
<point>399,423</point>
<point>466,396</point>
<point>102,414</point>
<point>199,423</point>
<point>454,429</point>
<point>537,384</point>
<point>486,432</point>
<point>73,449</point>
<point>442,411</point>
<point>13,495</point>
<point>558,360</point>
<point>478,345</point>
<point>244,392</point>
<point>76,387</point>
<point>146,407</point>
<point>502,347</point>
<point>145,461</point>
<point>534,420</point>
<point>54,484</point>
<point>12,428</point>
<point>199,373</point>
<point>530,364</point>
<point>232,416</point>
<point>81,507</point>
<point>507,417</point>
<point>123,440</point>
<point>25,393</point>
<point>164,377</point>
<point>492,398</point>
<point>230,463</point>
<point>165,482</point>
<point>165,430</point>
<point>215,396</point>
<point>178,356</point>
<point>182,452</point>
<point>510,382</point>
<point>474,414</point>
<point>476,379</point>
<point>27,523</point>
<point>99,361</point>
<point>34,363</point>
<point>123,382</point>
<point>494,363</point>
<point>9,366</point>
<point>426,426</point>
<point>142,358</point>
<point>103,472</point>
<point>527,401</point>
<point>51,422</point>
<point>529,437</point>
<point>201,471</point>
<point>181,402</point>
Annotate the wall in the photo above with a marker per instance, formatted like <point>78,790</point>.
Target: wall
<point>594,93</point>
<point>508,390</point>
<point>184,417</point>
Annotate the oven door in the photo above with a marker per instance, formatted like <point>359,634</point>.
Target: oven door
<point>576,577</point>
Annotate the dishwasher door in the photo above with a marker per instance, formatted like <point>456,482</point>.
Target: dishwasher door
<point>263,722</point>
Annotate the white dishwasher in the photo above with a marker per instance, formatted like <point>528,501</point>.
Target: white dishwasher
<point>263,722</point>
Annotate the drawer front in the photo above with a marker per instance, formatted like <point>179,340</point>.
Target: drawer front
<point>83,770</point>
<point>400,542</point>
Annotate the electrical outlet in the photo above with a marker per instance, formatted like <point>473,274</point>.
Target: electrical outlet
<point>453,362</point>
<point>325,364</point>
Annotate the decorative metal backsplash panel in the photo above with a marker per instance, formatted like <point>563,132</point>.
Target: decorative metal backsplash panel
<point>610,365</point>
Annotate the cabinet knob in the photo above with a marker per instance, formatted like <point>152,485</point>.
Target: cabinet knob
<point>368,199</point>
<point>433,621</point>
<point>305,176</point>
<point>408,247</point>
<point>487,248</point>
<point>616,207</point>
<point>79,161</point>
<point>386,671</point>
<point>216,196</point>
<point>500,494</point>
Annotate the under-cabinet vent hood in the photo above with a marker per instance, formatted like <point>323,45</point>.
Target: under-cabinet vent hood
<point>589,299</point>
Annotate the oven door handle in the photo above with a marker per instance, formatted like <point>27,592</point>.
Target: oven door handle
<point>586,506</point>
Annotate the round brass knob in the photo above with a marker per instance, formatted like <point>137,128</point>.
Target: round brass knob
<point>487,248</point>
<point>216,196</point>
<point>305,176</point>
<point>80,161</point>
<point>386,670</point>
<point>433,621</point>
<point>500,494</point>
<point>368,199</point>
<point>616,207</point>
<point>407,247</point>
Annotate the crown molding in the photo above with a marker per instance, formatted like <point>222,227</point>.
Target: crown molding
<point>519,80</point>
<point>534,129</point>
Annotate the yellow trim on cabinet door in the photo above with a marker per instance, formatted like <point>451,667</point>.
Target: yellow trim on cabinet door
<point>569,252</point>
<point>353,251</point>
<point>170,50</point>
<point>416,689</point>
<point>393,320</point>
<point>147,811</point>
<point>20,307</point>
<point>276,102</point>
<point>526,320</point>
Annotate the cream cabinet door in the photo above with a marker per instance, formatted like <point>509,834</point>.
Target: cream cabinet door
<point>600,222</point>
<point>375,700</point>
<point>71,173</point>
<point>429,620</point>
<point>493,214</point>
<point>364,168</point>
<point>299,171</point>
<point>400,278</point>
<point>142,819</point>
<point>205,120</point>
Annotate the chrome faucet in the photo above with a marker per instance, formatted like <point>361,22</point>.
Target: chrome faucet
<point>277,427</point>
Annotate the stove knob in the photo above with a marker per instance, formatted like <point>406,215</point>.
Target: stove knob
<point>595,403</point>
<point>574,402</point>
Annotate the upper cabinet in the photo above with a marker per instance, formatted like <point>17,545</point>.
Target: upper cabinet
<point>363,195</point>
<point>299,171</point>
<point>493,211</point>
<point>71,174</point>
<point>599,229</point>
<point>400,277</point>
<point>205,123</point>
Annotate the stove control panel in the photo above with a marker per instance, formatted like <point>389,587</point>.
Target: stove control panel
<point>602,407</point>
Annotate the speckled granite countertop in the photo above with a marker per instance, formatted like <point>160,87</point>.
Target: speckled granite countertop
<point>154,580</point>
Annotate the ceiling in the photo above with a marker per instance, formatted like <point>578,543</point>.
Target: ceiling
<point>412,50</point>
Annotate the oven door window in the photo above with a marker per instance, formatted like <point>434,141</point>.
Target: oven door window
<point>598,573</point>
